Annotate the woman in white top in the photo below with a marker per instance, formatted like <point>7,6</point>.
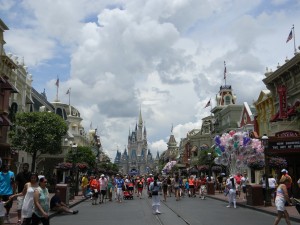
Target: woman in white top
<point>231,186</point>
<point>272,186</point>
<point>155,187</point>
<point>28,191</point>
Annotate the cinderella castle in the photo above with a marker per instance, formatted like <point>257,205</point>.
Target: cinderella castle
<point>137,158</point>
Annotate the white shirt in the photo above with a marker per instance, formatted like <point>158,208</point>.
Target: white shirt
<point>272,182</point>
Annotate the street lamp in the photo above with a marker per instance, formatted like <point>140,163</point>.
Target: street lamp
<point>75,169</point>
<point>265,143</point>
<point>209,165</point>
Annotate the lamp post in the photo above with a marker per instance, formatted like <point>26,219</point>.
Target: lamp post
<point>209,165</point>
<point>75,169</point>
<point>265,143</point>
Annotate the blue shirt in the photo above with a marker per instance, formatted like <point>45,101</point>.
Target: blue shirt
<point>119,183</point>
<point>5,183</point>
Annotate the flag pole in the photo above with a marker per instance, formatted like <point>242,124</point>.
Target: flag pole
<point>225,72</point>
<point>70,100</point>
<point>295,50</point>
<point>57,86</point>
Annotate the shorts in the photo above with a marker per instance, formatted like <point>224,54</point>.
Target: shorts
<point>244,189</point>
<point>280,204</point>
<point>5,198</point>
<point>103,192</point>
<point>20,200</point>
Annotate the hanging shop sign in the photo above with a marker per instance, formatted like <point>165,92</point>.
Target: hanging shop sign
<point>284,145</point>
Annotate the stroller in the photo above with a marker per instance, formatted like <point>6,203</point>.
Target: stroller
<point>297,204</point>
<point>127,195</point>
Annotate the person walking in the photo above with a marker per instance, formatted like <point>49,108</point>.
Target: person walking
<point>7,185</point>
<point>22,178</point>
<point>231,185</point>
<point>84,185</point>
<point>154,187</point>
<point>41,204</point>
<point>27,201</point>
<point>103,188</point>
<point>244,182</point>
<point>119,186</point>
<point>165,189</point>
<point>95,187</point>
<point>191,186</point>
<point>281,198</point>
<point>288,182</point>
<point>140,187</point>
<point>177,187</point>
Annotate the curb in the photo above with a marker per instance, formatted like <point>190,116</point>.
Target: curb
<point>294,219</point>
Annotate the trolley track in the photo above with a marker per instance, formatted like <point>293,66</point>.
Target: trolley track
<point>161,222</point>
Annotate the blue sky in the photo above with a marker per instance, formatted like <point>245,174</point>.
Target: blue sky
<point>165,56</point>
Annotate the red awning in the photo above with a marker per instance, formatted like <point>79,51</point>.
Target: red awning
<point>4,121</point>
<point>6,85</point>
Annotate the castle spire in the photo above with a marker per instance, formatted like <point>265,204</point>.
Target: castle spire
<point>140,118</point>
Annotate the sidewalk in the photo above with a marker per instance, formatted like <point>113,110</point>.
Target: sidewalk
<point>294,215</point>
<point>14,216</point>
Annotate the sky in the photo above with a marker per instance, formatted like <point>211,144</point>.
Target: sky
<point>165,57</point>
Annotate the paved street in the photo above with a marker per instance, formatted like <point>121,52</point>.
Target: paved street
<point>186,211</point>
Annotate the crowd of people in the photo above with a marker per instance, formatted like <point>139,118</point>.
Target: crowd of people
<point>32,195</point>
<point>34,204</point>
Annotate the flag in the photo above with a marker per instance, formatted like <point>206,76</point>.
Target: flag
<point>290,36</point>
<point>57,82</point>
<point>68,91</point>
<point>225,71</point>
<point>207,104</point>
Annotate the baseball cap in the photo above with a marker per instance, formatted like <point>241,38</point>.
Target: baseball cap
<point>284,171</point>
<point>102,175</point>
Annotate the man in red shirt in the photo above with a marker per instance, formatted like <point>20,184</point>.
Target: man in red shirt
<point>149,180</point>
<point>238,178</point>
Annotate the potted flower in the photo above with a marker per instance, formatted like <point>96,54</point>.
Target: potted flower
<point>203,168</point>
<point>277,163</point>
<point>216,169</point>
<point>255,163</point>
<point>64,166</point>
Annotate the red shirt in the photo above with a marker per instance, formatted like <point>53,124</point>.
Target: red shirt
<point>238,179</point>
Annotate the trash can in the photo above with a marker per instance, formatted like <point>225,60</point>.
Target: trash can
<point>254,195</point>
<point>64,192</point>
<point>210,188</point>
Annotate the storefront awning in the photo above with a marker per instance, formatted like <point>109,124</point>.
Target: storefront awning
<point>6,85</point>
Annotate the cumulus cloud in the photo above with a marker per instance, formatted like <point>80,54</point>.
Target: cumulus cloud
<point>163,57</point>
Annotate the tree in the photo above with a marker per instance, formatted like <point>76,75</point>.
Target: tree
<point>38,133</point>
<point>83,154</point>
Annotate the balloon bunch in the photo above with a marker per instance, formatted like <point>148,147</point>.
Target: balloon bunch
<point>236,149</point>
<point>169,165</point>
